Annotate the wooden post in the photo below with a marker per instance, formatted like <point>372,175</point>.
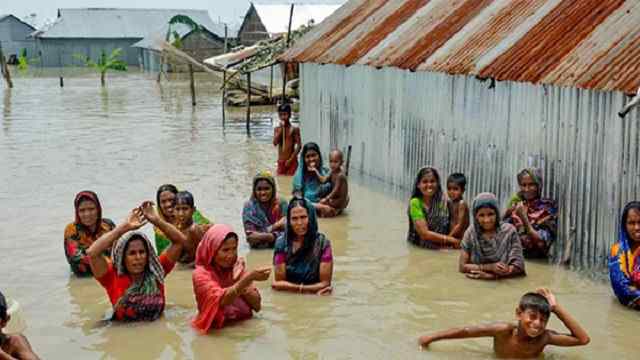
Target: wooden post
<point>284,73</point>
<point>61,81</point>
<point>5,69</point>
<point>289,30</point>
<point>271,85</point>
<point>226,43</point>
<point>193,86</point>
<point>248,104</point>
<point>348,160</point>
<point>224,97</point>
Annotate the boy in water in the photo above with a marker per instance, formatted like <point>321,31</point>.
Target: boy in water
<point>528,337</point>
<point>287,138</point>
<point>456,184</point>
<point>184,209</point>
<point>338,198</point>
<point>12,346</point>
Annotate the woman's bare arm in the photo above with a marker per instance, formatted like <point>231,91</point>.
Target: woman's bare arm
<point>280,282</point>
<point>427,235</point>
<point>177,237</point>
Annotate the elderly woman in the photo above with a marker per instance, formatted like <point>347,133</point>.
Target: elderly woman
<point>263,215</point>
<point>624,261</point>
<point>430,213</point>
<point>88,226</point>
<point>302,256</point>
<point>166,200</point>
<point>224,289</point>
<point>535,217</point>
<point>306,181</point>
<point>490,249</point>
<point>135,279</point>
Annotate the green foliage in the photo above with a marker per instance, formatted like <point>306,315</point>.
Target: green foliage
<point>24,62</point>
<point>172,33</point>
<point>105,63</point>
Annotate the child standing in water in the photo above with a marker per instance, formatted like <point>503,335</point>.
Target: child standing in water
<point>287,138</point>
<point>184,209</point>
<point>12,346</point>
<point>338,198</point>
<point>456,184</point>
<point>528,337</point>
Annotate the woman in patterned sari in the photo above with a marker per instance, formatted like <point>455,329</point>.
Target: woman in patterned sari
<point>624,261</point>
<point>263,215</point>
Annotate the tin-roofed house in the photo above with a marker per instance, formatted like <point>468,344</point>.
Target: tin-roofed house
<point>264,20</point>
<point>15,37</point>
<point>486,88</point>
<point>91,31</point>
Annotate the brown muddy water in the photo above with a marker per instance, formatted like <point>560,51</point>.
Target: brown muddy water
<point>125,140</point>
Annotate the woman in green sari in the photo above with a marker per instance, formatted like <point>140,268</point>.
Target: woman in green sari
<point>166,200</point>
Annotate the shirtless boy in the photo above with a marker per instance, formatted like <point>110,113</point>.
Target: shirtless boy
<point>338,198</point>
<point>184,210</point>
<point>287,138</point>
<point>12,346</point>
<point>528,337</point>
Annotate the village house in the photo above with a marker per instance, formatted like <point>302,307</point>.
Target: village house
<point>14,37</point>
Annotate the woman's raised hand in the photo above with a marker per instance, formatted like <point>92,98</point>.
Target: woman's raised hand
<point>260,274</point>
<point>135,219</point>
<point>149,211</point>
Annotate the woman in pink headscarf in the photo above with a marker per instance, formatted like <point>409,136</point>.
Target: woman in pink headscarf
<point>224,289</point>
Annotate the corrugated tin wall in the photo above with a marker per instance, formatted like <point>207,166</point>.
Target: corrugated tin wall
<point>397,121</point>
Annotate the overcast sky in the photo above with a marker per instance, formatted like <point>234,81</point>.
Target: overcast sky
<point>227,10</point>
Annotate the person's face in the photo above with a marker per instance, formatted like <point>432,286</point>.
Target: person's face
<point>299,220</point>
<point>264,191</point>
<point>486,217</point>
<point>528,187</point>
<point>167,203</point>
<point>227,255</point>
<point>88,213</point>
<point>284,117</point>
<point>335,161</point>
<point>532,322</point>
<point>184,213</point>
<point>136,257</point>
<point>428,185</point>
<point>311,159</point>
<point>633,225</point>
<point>454,191</point>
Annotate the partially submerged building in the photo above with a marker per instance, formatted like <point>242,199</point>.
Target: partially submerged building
<point>485,88</point>
<point>15,37</point>
<point>90,31</point>
<point>265,20</point>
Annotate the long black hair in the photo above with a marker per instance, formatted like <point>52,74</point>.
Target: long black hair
<point>422,173</point>
<point>312,228</point>
<point>625,215</point>
<point>166,187</point>
<point>309,147</point>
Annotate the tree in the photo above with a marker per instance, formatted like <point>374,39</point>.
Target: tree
<point>105,63</point>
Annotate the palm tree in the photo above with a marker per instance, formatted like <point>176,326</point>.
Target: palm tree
<point>105,63</point>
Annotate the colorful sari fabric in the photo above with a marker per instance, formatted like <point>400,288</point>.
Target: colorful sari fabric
<point>308,184</point>
<point>624,264</point>
<point>162,242</point>
<point>257,217</point>
<point>504,246</point>
<point>78,238</point>
<point>542,214</point>
<point>211,281</point>
<point>438,216</point>
<point>142,300</point>
<point>303,266</point>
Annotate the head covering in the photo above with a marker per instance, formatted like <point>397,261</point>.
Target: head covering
<point>307,184</point>
<point>210,280</point>
<point>144,296</point>
<point>268,177</point>
<point>3,307</point>
<point>303,266</point>
<point>93,197</point>
<point>536,176</point>
<point>438,214</point>
<point>623,263</point>
<point>257,217</point>
<point>503,247</point>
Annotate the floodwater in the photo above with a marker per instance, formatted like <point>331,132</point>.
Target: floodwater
<point>125,140</point>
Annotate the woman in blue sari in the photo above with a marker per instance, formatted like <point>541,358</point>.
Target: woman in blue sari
<point>306,181</point>
<point>624,261</point>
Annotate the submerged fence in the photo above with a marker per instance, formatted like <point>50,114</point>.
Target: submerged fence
<point>398,121</point>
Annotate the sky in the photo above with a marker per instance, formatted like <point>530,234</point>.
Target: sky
<point>229,11</point>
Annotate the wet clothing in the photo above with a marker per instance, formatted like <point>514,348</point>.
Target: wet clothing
<point>504,246</point>
<point>284,170</point>
<point>211,281</point>
<point>542,214</point>
<point>307,183</point>
<point>624,266</point>
<point>258,217</point>
<point>438,218</point>
<point>143,300</point>
<point>78,238</point>
<point>162,242</point>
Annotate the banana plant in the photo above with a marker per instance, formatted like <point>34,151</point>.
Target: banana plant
<point>105,63</point>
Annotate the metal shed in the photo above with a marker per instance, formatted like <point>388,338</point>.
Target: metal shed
<point>485,87</point>
<point>14,36</point>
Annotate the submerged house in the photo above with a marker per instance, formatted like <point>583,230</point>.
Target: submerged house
<point>485,88</point>
<point>263,21</point>
<point>90,31</point>
<point>15,37</point>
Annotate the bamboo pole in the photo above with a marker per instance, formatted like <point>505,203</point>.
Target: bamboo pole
<point>192,85</point>
<point>249,104</point>
<point>226,43</point>
<point>284,73</point>
<point>271,85</point>
<point>348,160</point>
<point>224,99</point>
<point>5,69</point>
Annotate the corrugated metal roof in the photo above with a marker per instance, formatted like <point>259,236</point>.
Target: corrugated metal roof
<point>275,17</point>
<point>100,23</point>
<point>591,44</point>
<point>154,40</point>
<point>4,16</point>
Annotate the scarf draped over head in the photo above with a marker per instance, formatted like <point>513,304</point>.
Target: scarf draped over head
<point>258,217</point>
<point>210,280</point>
<point>302,266</point>
<point>437,215</point>
<point>307,184</point>
<point>623,264</point>
<point>93,197</point>
<point>503,247</point>
<point>144,297</point>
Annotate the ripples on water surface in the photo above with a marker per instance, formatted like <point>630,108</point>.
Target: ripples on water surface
<point>125,140</point>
